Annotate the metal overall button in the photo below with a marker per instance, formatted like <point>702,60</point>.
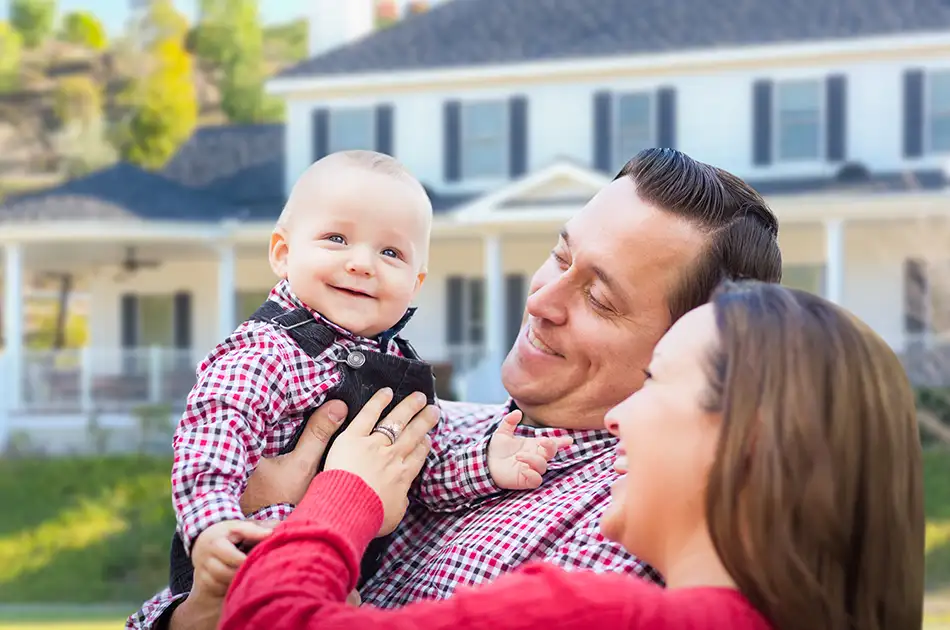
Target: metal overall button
<point>355,359</point>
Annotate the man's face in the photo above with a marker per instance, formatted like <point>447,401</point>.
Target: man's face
<point>596,308</point>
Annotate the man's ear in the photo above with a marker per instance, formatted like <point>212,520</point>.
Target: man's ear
<point>278,252</point>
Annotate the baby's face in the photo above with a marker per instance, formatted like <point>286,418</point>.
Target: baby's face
<point>355,248</point>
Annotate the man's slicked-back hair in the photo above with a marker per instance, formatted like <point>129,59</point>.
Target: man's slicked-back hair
<point>741,231</point>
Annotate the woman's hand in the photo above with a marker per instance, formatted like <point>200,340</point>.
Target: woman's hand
<point>387,466</point>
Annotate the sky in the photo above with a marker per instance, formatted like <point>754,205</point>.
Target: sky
<point>113,13</point>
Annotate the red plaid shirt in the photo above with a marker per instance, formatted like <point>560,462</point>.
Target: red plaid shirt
<point>250,398</point>
<point>432,554</point>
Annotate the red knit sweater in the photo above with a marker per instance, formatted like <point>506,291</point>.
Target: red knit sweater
<point>298,579</point>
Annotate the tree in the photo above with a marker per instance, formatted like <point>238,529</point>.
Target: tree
<point>11,46</point>
<point>33,19</point>
<point>230,39</point>
<point>83,28</point>
<point>164,104</point>
<point>78,99</point>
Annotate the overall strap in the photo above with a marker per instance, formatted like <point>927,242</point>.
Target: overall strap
<point>312,336</point>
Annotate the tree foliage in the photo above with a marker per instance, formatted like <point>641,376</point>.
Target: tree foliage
<point>164,102</point>
<point>11,48</point>
<point>85,29</point>
<point>33,19</point>
<point>78,100</point>
<point>230,38</point>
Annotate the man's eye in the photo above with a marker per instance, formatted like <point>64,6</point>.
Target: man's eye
<point>557,257</point>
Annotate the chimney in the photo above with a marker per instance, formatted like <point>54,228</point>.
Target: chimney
<point>334,23</point>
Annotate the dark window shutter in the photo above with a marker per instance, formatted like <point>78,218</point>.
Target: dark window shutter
<point>321,133</point>
<point>913,113</point>
<point>518,137</point>
<point>603,128</point>
<point>515,295</point>
<point>762,122</point>
<point>836,94</point>
<point>452,141</point>
<point>183,320</point>
<point>129,320</point>
<point>384,129</point>
<point>476,310</point>
<point>666,118</point>
<point>454,303</point>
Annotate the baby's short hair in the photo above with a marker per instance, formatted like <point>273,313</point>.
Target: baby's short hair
<point>372,161</point>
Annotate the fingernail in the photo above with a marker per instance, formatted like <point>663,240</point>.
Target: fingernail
<point>419,397</point>
<point>337,413</point>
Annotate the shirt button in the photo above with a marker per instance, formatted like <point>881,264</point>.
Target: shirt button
<point>355,359</point>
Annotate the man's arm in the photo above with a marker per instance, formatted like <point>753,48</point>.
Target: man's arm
<point>221,434</point>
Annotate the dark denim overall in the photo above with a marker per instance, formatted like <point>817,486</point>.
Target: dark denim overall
<point>364,373</point>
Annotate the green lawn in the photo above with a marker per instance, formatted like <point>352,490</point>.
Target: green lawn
<point>91,530</point>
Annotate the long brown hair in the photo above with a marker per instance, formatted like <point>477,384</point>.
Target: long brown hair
<point>815,498</point>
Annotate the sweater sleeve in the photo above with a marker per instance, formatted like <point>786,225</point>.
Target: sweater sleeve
<point>299,577</point>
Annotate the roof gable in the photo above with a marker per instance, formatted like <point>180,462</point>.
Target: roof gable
<point>488,32</point>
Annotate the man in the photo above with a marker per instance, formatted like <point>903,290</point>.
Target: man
<point>646,249</point>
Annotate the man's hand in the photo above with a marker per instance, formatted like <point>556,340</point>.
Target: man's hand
<point>517,463</point>
<point>216,556</point>
<point>285,478</point>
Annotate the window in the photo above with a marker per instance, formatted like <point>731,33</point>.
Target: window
<point>465,310</point>
<point>798,114</point>
<point>938,108</point>
<point>927,298</point>
<point>156,325</point>
<point>247,302</point>
<point>352,129</point>
<point>635,125</point>
<point>485,140</point>
<point>809,278</point>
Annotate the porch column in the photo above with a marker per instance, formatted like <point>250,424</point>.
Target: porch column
<point>834,260</point>
<point>494,302</point>
<point>13,323</point>
<point>227,299</point>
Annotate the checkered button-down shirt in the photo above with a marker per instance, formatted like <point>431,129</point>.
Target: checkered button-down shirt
<point>249,400</point>
<point>433,553</point>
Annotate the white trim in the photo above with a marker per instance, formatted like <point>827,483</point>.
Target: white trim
<point>705,57</point>
<point>464,107</point>
<point>835,260</point>
<point>488,204</point>
<point>13,273</point>
<point>776,148</point>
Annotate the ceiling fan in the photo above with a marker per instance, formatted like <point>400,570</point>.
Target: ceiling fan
<point>131,264</point>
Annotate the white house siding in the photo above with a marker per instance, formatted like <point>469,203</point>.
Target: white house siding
<point>714,114</point>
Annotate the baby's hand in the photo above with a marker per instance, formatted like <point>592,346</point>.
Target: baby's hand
<point>216,557</point>
<point>517,463</point>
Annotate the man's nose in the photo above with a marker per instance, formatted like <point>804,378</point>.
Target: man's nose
<point>549,301</point>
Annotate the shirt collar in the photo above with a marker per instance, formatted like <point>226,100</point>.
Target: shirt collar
<point>282,294</point>
<point>588,443</point>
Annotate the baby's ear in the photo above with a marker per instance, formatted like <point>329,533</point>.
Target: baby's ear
<point>278,253</point>
<point>420,278</point>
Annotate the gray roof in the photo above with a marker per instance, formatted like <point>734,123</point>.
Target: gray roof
<point>120,192</point>
<point>479,32</point>
<point>243,164</point>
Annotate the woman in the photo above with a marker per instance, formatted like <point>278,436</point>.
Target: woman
<point>771,471</point>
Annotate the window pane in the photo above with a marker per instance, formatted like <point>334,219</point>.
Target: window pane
<point>799,120</point>
<point>915,296</point>
<point>939,277</point>
<point>939,92</point>
<point>805,278</point>
<point>351,129</point>
<point>634,126</point>
<point>940,133</point>
<point>484,134</point>
<point>156,320</point>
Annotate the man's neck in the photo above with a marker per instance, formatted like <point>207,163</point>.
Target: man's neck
<point>533,418</point>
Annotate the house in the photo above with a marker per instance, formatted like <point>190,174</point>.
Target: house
<point>514,113</point>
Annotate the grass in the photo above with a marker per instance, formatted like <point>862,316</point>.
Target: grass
<point>90,530</point>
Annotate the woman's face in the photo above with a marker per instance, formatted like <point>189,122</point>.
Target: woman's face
<point>667,445</point>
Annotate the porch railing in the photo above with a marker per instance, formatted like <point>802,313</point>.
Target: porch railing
<point>106,379</point>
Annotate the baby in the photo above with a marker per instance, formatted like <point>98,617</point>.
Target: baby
<point>351,249</point>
